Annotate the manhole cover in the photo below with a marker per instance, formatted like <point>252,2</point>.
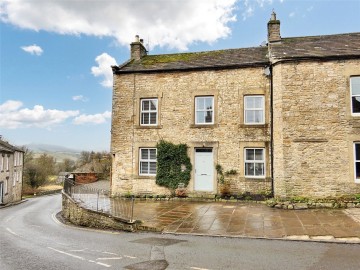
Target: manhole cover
<point>149,265</point>
<point>154,241</point>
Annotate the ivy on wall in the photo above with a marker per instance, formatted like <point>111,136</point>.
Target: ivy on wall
<point>173,165</point>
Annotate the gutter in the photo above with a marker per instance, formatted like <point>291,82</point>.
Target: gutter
<point>272,128</point>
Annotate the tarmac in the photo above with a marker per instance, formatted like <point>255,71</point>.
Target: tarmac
<point>246,220</point>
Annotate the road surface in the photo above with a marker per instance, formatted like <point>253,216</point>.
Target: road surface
<point>32,238</point>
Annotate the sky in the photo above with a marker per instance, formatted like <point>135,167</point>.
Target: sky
<point>55,55</point>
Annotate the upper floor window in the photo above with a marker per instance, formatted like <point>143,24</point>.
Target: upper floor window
<point>355,94</point>
<point>204,110</point>
<point>147,161</point>
<point>255,162</point>
<point>7,162</point>
<point>149,112</point>
<point>254,112</point>
<point>1,162</point>
<point>357,162</point>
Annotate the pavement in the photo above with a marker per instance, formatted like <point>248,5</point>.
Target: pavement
<point>244,219</point>
<point>248,219</point>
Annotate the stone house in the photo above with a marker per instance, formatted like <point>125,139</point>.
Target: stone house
<point>11,173</point>
<point>285,116</point>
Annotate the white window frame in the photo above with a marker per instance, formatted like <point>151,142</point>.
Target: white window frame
<point>148,111</point>
<point>149,160</point>
<point>15,175</point>
<point>351,97</point>
<point>1,162</point>
<point>263,161</point>
<point>204,110</point>
<point>262,109</point>
<point>357,180</point>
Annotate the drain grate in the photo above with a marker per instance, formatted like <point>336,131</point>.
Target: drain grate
<point>153,265</point>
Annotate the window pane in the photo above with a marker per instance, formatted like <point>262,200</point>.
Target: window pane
<point>259,169</point>
<point>144,167</point>
<point>249,169</point>
<point>152,154</point>
<point>144,154</point>
<point>355,85</point>
<point>153,104</point>
<point>145,119</point>
<point>249,154</point>
<point>249,102</point>
<point>200,117</point>
<point>208,118</point>
<point>258,116</point>
<point>152,118</point>
<point>357,164</point>
<point>356,104</point>
<point>249,117</point>
<point>152,168</point>
<point>199,103</point>
<point>208,103</point>
<point>145,105</point>
<point>357,151</point>
<point>259,154</point>
<point>258,102</point>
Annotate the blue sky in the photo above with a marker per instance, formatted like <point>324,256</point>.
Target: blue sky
<point>55,56</point>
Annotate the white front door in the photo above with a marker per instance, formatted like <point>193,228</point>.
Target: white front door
<point>204,169</point>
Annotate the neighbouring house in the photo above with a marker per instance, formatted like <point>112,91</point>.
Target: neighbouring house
<point>285,117</point>
<point>88,173</point>
<point>11,172</point>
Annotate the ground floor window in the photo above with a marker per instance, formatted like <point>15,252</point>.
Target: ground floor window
<point>254,162</point>
<point>147,161</point>
<point>357,162</point>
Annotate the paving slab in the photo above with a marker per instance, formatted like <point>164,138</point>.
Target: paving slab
<point>248,219</point>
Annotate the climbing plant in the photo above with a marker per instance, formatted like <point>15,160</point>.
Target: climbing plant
<point>173,165</point>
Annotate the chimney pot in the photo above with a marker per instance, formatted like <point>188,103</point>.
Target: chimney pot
<point>137,49</point>
<point>273,29</point>
<point>141,40</point>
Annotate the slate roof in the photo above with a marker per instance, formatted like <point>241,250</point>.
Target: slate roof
<point>340,46</point>
<point>327,46</point>
<point>230,58</point>
<point>6,147</point>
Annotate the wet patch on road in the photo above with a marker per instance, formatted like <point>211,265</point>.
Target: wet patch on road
<point>155,241</point>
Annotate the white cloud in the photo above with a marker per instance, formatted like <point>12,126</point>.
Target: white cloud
<point>33,49</point>
<point>310,8</point>
<point>92,118</point>
<point>250,5</point>
<point>12,116</point>
<point>292,14</point>
<point>105,62</point>
<point>171,23</point>
<point>80,98</point>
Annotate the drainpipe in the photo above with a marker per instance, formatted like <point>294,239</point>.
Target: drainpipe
<point>272,128</point>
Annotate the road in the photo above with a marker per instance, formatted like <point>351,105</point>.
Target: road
<point>32,238</point>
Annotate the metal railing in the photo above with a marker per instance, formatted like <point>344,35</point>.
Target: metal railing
<point>99,200</point>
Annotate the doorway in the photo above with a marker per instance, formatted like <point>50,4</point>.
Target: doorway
<point>204,169</point>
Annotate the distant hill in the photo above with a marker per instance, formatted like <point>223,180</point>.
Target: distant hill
<point>58,152</point>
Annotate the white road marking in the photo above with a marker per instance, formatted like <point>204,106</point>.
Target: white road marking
<point>12,232</point>
<point>197,268</point>
<point>105,252</point>
<point>103,264</point>
<point>111,258</point>
<point>131,257</point>
<point>68,254</point>
<point>9,218</point>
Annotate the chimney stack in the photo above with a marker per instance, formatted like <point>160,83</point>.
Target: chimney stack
<point>274,29</point>
<point>137,49</point>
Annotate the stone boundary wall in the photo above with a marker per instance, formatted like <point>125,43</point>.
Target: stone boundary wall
<point>77,215</point>
<point>312,205</point>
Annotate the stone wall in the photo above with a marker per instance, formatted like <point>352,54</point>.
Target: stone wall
<point>176,92</point>
<point>77,215</point>
<point>314,130</point>
<point>13,184</point>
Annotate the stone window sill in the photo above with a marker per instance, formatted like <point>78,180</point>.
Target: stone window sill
<point>253,126</point>
<point>149,127</point>
<point>203,126</point>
